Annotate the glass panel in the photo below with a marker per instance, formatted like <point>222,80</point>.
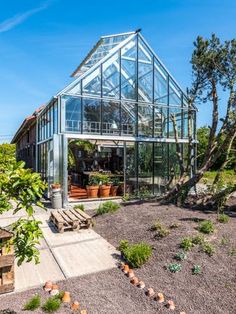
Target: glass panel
<point>145,166</point>
<point>111,117</point>
<point>145,73</point>
<point>72,114</point>
<point>160,121</point>
<point>175,94</point>
<point>91,116</point>
<point>173,162</point>
<point>92,83</point>
<point>160,167</point>
<point>145,120</point>
<point>128,118</point>
<point>55,118</point>
<point>111,77</point>
<point>131,176</point>
<point>160,84</point>
<point>128,70</point>
<point>75,90</point>
<point>185,126</point>
<point>176,113</point>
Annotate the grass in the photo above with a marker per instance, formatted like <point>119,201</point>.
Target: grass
<point>79,206</point>
<point>223,218</point>
<point>33,303</point>
<point>206,226</point>
<point>107,207</point>
<point>228,176</point>
<point>52,304</point>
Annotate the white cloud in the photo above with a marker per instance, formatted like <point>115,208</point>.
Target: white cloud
<point>17,19</point>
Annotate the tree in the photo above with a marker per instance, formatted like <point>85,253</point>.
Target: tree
<point>25,189</point>
<point>213,71</point>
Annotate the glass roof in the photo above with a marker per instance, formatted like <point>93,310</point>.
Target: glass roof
<point>100,50</point>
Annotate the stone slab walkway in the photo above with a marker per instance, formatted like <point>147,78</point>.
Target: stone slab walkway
<point>64,255</point>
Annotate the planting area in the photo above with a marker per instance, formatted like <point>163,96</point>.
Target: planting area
<point>193,263</point>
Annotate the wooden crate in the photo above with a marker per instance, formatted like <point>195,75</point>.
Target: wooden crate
<point>6,263</point>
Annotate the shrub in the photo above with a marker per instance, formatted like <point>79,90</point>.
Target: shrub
<point>180,256</point>
<point>186,244</point>
<point>206,226</point>
<point>196,270</point>
<point>107,207</point>
<point>198,240</point>
<point>174,268</point>
<point>208,248</point>
<point>33,303</point>
<point>223,218</point>
<point>79,206</point>
<point>52,304</point>
<point>162,231</point>
<point>224,240</point>
<point>137,254</point>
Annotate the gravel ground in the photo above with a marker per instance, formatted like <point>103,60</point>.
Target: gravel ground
<point>110,292</point>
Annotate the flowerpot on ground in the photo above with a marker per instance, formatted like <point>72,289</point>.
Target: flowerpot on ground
<point>92,191</point>
<point>55,186</point>
<point>104,190</point>
<point>114,190</point>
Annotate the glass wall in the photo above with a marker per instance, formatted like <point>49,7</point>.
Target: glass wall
<point>48,122</point>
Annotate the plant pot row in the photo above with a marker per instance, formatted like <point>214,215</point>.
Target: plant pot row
<point>103,190</point>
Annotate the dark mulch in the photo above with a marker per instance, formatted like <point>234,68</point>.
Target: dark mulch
<point>110,292</point>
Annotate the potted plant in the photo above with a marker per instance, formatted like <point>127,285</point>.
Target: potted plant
<point>115,186</point>
<point>105,186</point>
<point>55,186</point>
<point>93,187</point>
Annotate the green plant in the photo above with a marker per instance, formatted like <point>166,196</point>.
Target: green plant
<point>115,181</point>
<point>107,207</point>
<point>52,304</point>
<point>162,231</point>
<point>126,197</point>
<point>224,240</point>
<point>206,226</point>
<point>223,218</point>
<point>33,303</point>
<point>198,240</point>
<point>208,248</point>
<point>80,206</point>
<point>186,244</point>
<point>94,180</point>
<point>232,251</point>
<point>137,254</point>
<point>174,268</point>
<point>196,270</point>
<point>180,256</point>
<point>103,179</point>
<point>174,226</point>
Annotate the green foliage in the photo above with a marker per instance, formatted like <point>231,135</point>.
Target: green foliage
<point>52,304</point>
<point>94,180</point>
<point>33,303</point>
<point>107,207</point>
<point>198,240</point>
<point>174,268</point>
<point>180,256</point>
<point>196,270</point>
<point>202,136</point>
<point>162,231</point>
<point>223,218</point>
<point>80,206</point>
<point>208,248</point>
<point>137,254</point>
<point>224,240</point>
<point>115,181</point>
<point>206,227</point>
<point>174,226</point>
<point>186,244</point>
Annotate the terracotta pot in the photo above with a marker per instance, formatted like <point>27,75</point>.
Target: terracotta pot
<point>126,269</point>
<point>134,281</point>
<point>66,297</point>
<point>171,305</point>
<point>114,190</point>
<point>150,292</point>
<point>141,285</point>
<point>55,186</point>
<point>92,191</point>
<point>48,286</point>
<point>160,297</point>
<point>55,290</point>
<point>122,266</point>
<point>104,190</point>
<point>75,306</point>
<point>130,273</point>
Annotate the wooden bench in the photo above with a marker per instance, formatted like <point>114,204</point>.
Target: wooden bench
<point>70,219</point>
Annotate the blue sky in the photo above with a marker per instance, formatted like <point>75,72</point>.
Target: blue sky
<point>42,42</point>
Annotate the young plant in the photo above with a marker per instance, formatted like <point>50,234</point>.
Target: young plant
<point>186,244</point>
<point>107,207</point>
<point>79,206</point>
<point>198,240</point>
<point>52,304</point>
<point>137,254</point>
<point>223,218</point>
<point>162,231</point>
<point>174,268</point>
<point>180,256</point>
<point>174,226</point>
<point>224,240</point>
<point>208,248</point>
<point>196,270</point>
<point>206,226</point>
<point>33,303</point>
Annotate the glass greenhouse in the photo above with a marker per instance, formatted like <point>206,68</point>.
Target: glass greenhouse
<point>115,118</point>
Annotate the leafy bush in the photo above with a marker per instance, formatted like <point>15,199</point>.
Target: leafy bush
<point>174,268</point>
<point>107,207</point>
<point>137,254</point>
<point>180,256</point>
<point>186,244</point>
<point>162,231</point>
<point>52,304</point>
<point>33,303</point>
<point>208,248</point>
<point>224,240</point>
<point>206,226</point>
<point>223,218</point>
<point>196,270</point>
<point>79,206</point>
<point>94,181</point>
<point>199,239</point>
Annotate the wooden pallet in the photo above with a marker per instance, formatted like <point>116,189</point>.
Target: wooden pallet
<point>70,219</point>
